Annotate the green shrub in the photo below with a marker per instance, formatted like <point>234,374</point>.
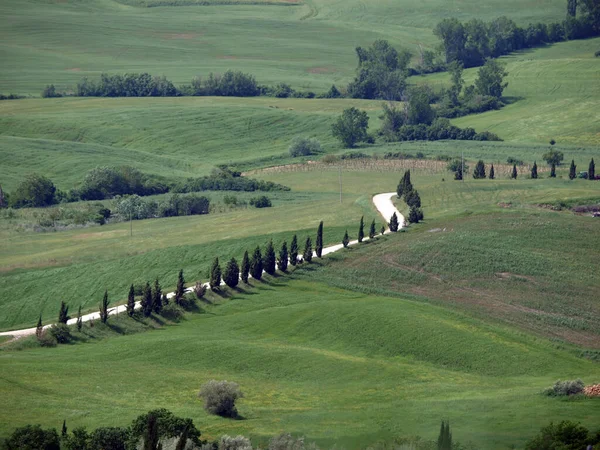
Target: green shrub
<point>261,202</point>
<point>567,387</point>
<point>47,340</point>
<point>199,289</point>
<point>61,333</point>
<point>33,437</point>
<point>220,397</point>
<point>234,443</point>
<point>565,435</point>
<point>172,312</point>
<point>301,146</point>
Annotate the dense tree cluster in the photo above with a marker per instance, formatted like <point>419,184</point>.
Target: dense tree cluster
<point>126,85</point>
<point>406,191</point>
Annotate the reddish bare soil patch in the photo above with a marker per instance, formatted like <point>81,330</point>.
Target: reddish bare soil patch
<point>320,70</point>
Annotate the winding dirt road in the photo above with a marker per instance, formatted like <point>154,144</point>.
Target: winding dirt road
<point>383,203</point>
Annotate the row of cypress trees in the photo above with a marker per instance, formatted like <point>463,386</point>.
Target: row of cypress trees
<point>411,197</point>
<point>480,172</point>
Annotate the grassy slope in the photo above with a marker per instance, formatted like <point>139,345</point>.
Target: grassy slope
<point>335,366</point>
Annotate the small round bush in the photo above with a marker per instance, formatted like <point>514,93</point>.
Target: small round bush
<point>234,443</point>
<point>61,333</point>
<point>261,202</point>
<point>564,388</point>
<point>220,396</point>
<point>47,340</point>
<point>172,312</point>
<point>301,146</point>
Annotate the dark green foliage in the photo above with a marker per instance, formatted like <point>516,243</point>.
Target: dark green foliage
<point>345,239</point>
<point>394,223</point>
<point>106,182</point>
<point>162,424</point>
<point>157,303</point>
<point>294,251</point>
<point>553,157</point>
<point>302,146</point>
<point>479,171</point>
<point>245,267</point>
<point>3,201</point>
<point>39,329</point>
<point>319,241</point>
<point>230,84</point>
<point>361,229</point>
<point>492,174</point>
<point>308,252</point>
<point>565,435</point>
<point>127,85</point>
<point>261,202</point>
<point>490,79</point>
<point>534,173</point>
<point>282,261</point>
<point>351,127</point>
<point>372,230</point>
<point>34,191</point>
<point>164,299</point>
<point>104,308</point>
<point>514,172</point>
<point>226,180</point>
<point>382,231</point>
<point>592,170</point>
<point>33,437</point>
<point>146,302</point>
<point>415,214</point>
<point>77,440</point>
<point>256,264</point>
<point>231,276</point>
<point>333,92</point>
<point>61,333</point>
<point>511,160</point>
<point>50,92</point>
<point>270,260</point>
<point>572,170</point>
<point>553,171</point>
<point>215,275</point>
<point>220,397</point>
<point>419,110</point>
<point>445,437</point>
<point>113,438</point>
<point>405,184</point>
<point>572,8</point>
<point>63,314</point>
<point>79,319</point>
<point>180,291</point>
<point>565,388</point>
<point>63,432</point>
<point>412,198</point>
<point>131,301</point>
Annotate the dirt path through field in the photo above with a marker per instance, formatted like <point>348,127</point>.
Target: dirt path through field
<point>383,203</point>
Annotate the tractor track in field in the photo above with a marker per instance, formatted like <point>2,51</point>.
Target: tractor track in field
<point>383,203</point>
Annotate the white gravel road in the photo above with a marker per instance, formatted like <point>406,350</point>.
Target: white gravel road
<point>383,203</point>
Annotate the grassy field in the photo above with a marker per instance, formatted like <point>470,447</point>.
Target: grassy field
<point>338,367</point>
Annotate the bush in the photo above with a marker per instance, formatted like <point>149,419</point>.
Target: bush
<point>234,443</point>
<point>33,437</point>
<point>261,202</point>
<point>564,388</point>
<point>172,311</point>
<point>301,146</point>
<point>61,333</point>
<point>565,435</point>
<point>199,289</point>
<point>286,441</point>
<point>50,92</point>
<point>220,397</point>
<point>47,340</point>
<point>597,54</point>
<point>34,191</point>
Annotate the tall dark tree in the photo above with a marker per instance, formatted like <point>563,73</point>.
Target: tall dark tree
<point>180,291</point>
<point>553,171</point>
<point>294,251</point>
<point>308,252</point>
<point>165,300</point>
<point>372,231</point>
<point>79,319</point>
<point>63,432</point>
<point>269,260</point>
<point>361,229</point>
<point>534,173</point>
<point>405,184</point>
<point>412,198</point>
<point>458,173</point>
<point>104,308</point>
<point>215,275</point>
<point>592,170</point>
<point>39,328</point>
<point>63,314</point>
<point>492,173</point>
<point>394,223</point>
<point>514,172</point>
<point>157,303</point>
<point>382,231</point>
<point>131,301</point>
<point>256,264</point>
<point>147,300</point>
<point>572,8</point>
<point>445,437</point>
<point>3,202</point>
<point>415,215</point>
<point>345,240</point>
<point>245,267</point>
<point>319,241</point>
<point>572,170</point>
<point>479,171</point>
<point>284,257</point>
<point>351,127</point>
<point>231,276</point>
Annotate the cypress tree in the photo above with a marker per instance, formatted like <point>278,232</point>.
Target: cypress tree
<point>104,308</point>
<point>232,273</point>
<point>245,267</point>
<point>405,184</point>
<point>270,261</point>
<point>553,171</point>
<point>592,170</point>
<point>3,202</point>
<point>39,329</point>
<point>319,242</point>
<point>131,301</point>
<point>164,299</point>
<point>345,239</point>
<point>79,319</point>
<point>180,291</point>
<point>413,215</point>
<point>492,173</point>
<point>294,251</point>
<point>215,275</point>
<point>458,174</point>
<point>479,171</point>
<point>63,432</point>
<point>372,230</point>
<point>361,229</point>
<point>157,297</point>
<point>394,223</point>
<point>572,170</point>
<point>534,174</point>
<point>63,314</point>
<point>514,173</point>
<point>256,265</point>
<point>147,300</point>
<point>382,231</point>
<point>445,437</point>
<point>308,253</point>
<point>412,198</point>
<point>283,260</point>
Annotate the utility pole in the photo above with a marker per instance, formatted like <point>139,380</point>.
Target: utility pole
<point>340,177</point>
<point>462,162</point>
